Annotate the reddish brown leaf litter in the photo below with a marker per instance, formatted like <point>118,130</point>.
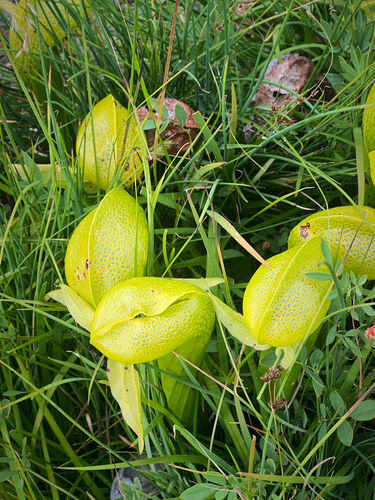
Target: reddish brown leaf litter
<point>181,130</point>
<point>292,72</point>
<point>244,7</point>
<point>289,77</point>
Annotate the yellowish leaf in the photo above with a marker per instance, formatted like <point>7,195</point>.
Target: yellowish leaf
<point>236,235</point>
<point>125,388</point>
<point>289,353</point>
<point>234,322</point>
<point>80,310</point>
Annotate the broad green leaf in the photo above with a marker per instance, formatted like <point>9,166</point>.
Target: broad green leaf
<point>204,491</point>
<point>365,411</point>
<point>337,402</point>
<point>80,310</point>
<point>235,324</point>
<point>221,494</point>
<point>345,433</point>
<point>125,388</point>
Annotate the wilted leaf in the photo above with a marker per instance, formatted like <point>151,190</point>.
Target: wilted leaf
<point>292,72</point>
<point>289,76</point>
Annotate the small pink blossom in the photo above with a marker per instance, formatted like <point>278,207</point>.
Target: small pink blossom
<point>370,335</point>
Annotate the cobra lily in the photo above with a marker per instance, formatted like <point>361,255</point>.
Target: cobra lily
<point>350,233</point>
<point>108,144</point>
<point>23,36</point>
<point>109,245</point>
<point>138,319</point>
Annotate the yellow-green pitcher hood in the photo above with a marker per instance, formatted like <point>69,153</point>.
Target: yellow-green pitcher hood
<point>144,318</point>
<point>109,245</point>
<point>109,144</point>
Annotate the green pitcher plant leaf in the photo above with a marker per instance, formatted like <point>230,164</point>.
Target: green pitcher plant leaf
<point>134,319</point>
<point>125,387</point>
<point>369,121</point>
<point>109,144</point>
<point>109,245</point>
<point>282,304</point>
<point>348,230</point>
<point>368,124</point>
<point>371,158</point>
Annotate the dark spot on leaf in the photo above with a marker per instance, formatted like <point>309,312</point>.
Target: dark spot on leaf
<point>304,231</point>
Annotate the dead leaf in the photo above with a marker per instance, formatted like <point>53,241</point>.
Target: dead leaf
<point>289,76</point>
<point>292,72</point>
<point>180,130</point>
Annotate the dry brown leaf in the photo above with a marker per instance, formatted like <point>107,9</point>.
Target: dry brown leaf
<point>292,72</point>
<point>176,136</point>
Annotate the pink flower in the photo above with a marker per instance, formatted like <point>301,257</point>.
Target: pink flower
<point>370,335</point>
